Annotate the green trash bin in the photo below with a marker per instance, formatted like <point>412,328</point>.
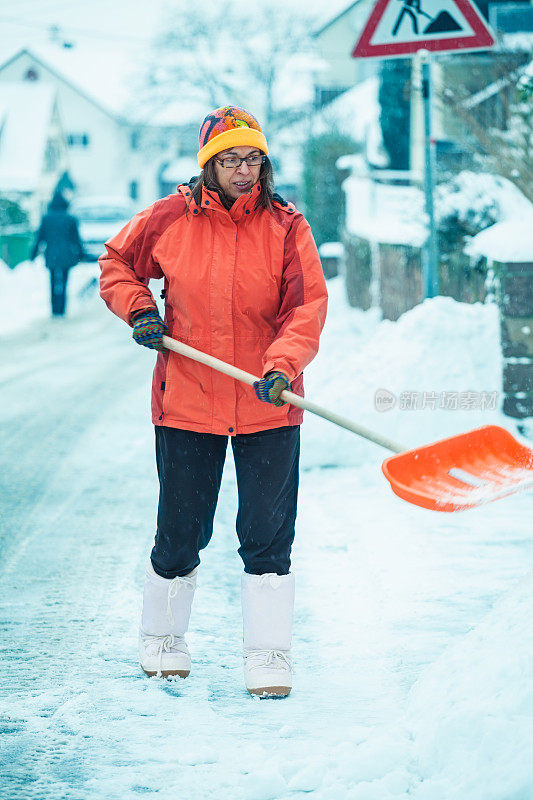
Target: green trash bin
<point>15,245</point>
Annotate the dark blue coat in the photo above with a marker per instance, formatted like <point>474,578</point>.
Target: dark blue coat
<point>59,232</point>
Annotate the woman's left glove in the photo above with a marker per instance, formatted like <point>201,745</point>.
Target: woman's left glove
<point>269,388</point>
<point>148,328</point>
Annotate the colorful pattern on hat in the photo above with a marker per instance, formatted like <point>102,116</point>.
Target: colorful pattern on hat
<point>228,127</point>
<point>224,119</point>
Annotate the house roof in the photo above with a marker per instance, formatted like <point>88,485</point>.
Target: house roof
<point>25,114</point>
<point>105,78</point>
<point>335,16</point>
<point>111,79</point>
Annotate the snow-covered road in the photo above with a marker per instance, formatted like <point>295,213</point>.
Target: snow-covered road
<point>386,597</point>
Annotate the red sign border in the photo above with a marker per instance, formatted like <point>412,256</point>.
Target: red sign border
<point>481,39</point>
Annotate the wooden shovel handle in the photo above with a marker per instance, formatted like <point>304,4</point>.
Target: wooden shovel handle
<point>289,397</point>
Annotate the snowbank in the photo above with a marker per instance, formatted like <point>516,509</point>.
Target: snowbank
<point>467,729</point>
<point>471,712</point>
<point>439,366</point>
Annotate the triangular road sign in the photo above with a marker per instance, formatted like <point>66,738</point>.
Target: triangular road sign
<point>400,27</point>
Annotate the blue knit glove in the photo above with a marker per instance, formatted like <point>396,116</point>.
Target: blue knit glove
<point>148,328</point>
<point>269,388</point>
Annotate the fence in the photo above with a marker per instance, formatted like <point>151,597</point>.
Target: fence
<point>397,269</point>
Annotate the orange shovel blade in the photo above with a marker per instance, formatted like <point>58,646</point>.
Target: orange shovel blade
<point>463,471</point>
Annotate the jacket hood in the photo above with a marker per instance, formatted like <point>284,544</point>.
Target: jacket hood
<point>58,203</point>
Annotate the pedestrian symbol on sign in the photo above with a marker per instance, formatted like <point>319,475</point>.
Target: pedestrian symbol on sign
<point>443,22</point>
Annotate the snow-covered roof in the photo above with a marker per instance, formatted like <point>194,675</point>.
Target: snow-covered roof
<point>334,11</point>
<point>354,114</point>
<point>508,242</point>
<point>25,111</point>
<point>469,193</point>
<point>111,78</point>
<point>105,74</point>
<point>353,111</point>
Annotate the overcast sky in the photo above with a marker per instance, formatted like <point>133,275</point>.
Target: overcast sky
<point>124,22</point>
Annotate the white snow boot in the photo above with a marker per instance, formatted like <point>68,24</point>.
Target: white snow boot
<point>267,608</point>
<point>165,619</point>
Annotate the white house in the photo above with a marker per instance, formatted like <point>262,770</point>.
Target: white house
<point>336,39</point>
<point>33,153</point>
<point>114,147</point>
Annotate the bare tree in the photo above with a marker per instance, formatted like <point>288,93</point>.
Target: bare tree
<point>497,119</point>
<point>223,52</point>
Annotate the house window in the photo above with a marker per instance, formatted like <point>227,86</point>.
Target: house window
<point>134,140</point>
<point>325,95</point>
<point>78,140</point>
<point>31,75</point>
<point>134,190</point>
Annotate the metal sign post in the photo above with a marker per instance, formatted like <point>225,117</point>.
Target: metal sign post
<point>422,27</point>
<point>430,255</point>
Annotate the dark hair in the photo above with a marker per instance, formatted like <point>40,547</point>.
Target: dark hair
<point>208,178</point>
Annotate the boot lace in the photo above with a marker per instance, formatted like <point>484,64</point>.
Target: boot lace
<point>269,577</point>
<point>175,586</point>
<point>164,644</point>
<point>273,659</point>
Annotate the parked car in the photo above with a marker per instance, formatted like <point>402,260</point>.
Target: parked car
<point>99,219</point>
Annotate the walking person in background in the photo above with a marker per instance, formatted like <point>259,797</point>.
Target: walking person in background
<point>59,233</point>
<point>243,282</point>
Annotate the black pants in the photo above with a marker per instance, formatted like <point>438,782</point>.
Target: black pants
<point>58,290</point>
<point>190,466</point>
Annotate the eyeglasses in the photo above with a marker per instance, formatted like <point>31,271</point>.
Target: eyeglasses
<point>231,162</point>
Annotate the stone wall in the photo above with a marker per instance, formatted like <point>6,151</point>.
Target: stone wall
<point>516,321</point>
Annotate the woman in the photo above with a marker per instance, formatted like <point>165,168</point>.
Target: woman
<point>243,282</point>
<point>59,232</point>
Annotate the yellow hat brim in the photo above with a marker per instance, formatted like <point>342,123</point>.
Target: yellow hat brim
<point>236,137</point>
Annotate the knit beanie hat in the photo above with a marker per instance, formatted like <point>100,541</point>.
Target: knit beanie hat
<point>227,127</point>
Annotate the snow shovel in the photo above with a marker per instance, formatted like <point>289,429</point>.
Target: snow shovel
<point>452,474</point>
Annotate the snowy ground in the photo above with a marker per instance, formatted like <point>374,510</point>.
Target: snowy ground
<point>413,641</point>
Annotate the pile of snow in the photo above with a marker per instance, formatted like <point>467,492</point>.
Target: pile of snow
<point>440,365</point>
<point>467,728</point>
<point>470,715</point>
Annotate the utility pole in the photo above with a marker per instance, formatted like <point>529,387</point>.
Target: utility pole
<point>430,254</point>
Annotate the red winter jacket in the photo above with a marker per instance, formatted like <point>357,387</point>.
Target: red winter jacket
<point>244,285</point>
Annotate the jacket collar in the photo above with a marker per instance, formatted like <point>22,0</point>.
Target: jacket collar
<point>211,201</point>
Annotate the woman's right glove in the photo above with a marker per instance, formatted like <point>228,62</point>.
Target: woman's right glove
<point>148,328</point>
